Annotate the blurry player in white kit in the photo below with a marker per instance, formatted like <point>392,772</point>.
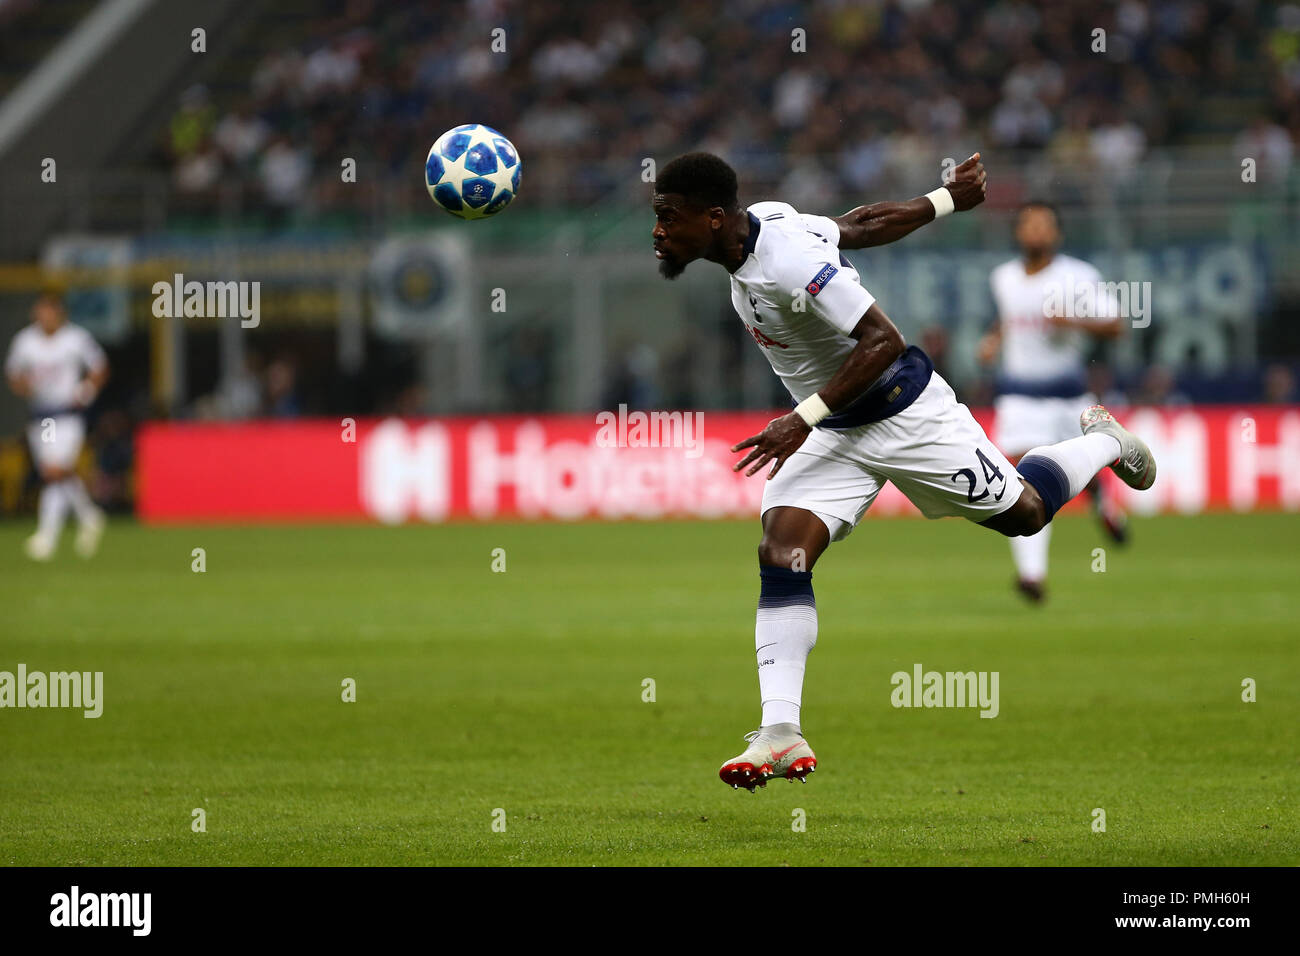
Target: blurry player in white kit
<point>58,368</point>
<point>1042,386</point>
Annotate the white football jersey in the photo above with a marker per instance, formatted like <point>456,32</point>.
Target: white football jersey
<point>794,261</point>
<point>55,364</point>
<point>1032,351</point>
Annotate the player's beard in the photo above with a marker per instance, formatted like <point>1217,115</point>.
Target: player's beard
<point>671,268</point>
<point>1037,252</point>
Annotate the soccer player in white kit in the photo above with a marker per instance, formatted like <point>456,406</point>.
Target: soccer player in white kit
<point>868,409</point>
<point>1042,387</point>
<point>58,368</point>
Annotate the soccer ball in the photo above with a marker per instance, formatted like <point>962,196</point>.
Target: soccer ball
<point>472,171</point>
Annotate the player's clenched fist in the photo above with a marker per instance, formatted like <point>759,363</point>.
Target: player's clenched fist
<point>778,441</point>
<point>968,184</point>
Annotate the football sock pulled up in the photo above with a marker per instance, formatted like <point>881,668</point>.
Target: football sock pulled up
<point>785,631</point>
<point>79,498</point>
<point>1059,472</point>
<point>51,509</point>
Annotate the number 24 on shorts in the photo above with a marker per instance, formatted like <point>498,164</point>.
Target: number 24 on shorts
<point>991,474</point>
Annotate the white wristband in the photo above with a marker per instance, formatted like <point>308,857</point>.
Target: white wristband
<point>941,200</point>
<point>812,409</point>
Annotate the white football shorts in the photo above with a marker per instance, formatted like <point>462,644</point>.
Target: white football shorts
<point>56,441</point>
<point>933,451</point>
<point>1023,422</point>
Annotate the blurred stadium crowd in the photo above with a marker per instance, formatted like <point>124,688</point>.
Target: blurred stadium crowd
<point>587,91</point>
<point>883,85</point>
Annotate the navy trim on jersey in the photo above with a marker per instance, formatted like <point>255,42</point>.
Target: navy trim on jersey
<point>751,240</point>
<point>896,388</point>
<point>1071,385</point>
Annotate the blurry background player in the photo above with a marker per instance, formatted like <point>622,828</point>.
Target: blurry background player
<point>1042,385</point>
<point>58,368</point>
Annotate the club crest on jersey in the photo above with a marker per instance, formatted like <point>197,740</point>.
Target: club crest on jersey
<point>820,279</point>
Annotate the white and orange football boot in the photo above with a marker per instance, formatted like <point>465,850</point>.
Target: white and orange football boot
<point>775,751</point>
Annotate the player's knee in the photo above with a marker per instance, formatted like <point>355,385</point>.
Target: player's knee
<point>1027,516</point>
<point>1030,512</point>
<point>771,553</point>
<point>775,553</point>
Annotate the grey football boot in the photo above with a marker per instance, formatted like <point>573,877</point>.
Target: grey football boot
<point>1136,466</point>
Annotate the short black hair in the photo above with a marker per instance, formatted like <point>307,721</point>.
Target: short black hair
<point>1041,204</point>
<point>704,179</point>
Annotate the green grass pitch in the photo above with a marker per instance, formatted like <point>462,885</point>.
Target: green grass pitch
<point>522,691</point>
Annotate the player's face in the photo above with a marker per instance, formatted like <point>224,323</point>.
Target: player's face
<point>48,314</point>
<point>1037,231</point>
<point>681,234</point>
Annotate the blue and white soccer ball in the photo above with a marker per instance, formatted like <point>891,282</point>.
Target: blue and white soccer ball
<point>472,171</point>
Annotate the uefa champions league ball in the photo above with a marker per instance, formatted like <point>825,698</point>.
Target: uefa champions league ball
<point>472,171</point>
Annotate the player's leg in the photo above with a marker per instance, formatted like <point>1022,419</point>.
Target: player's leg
<point>1053,474</point>
<point>1029,553</point>
<point>785,629</point>
<point>814,499</point>
<point>938,455</point>
<point>1024,422</point>
<point>69,432</point>
<point>90,519</point>
<point>785,632</point>
<point>1105,506</point>
<point>1108,511</point>
<point>52,503</point>
<point>51,509</point>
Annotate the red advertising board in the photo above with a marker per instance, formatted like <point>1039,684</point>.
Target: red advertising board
<point>568,467</point>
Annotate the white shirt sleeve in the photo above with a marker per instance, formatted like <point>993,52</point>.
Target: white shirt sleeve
<point>828,290</point>
<point>824,226</point>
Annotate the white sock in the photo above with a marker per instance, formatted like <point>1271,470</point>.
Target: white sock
<point>785,631</point>
<point>1030,554</point>
<point>1061,471</point>
<point>79,498</point>
<point>50,510</point>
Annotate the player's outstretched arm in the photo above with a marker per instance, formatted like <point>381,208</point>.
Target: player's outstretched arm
<point>885,222</point>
